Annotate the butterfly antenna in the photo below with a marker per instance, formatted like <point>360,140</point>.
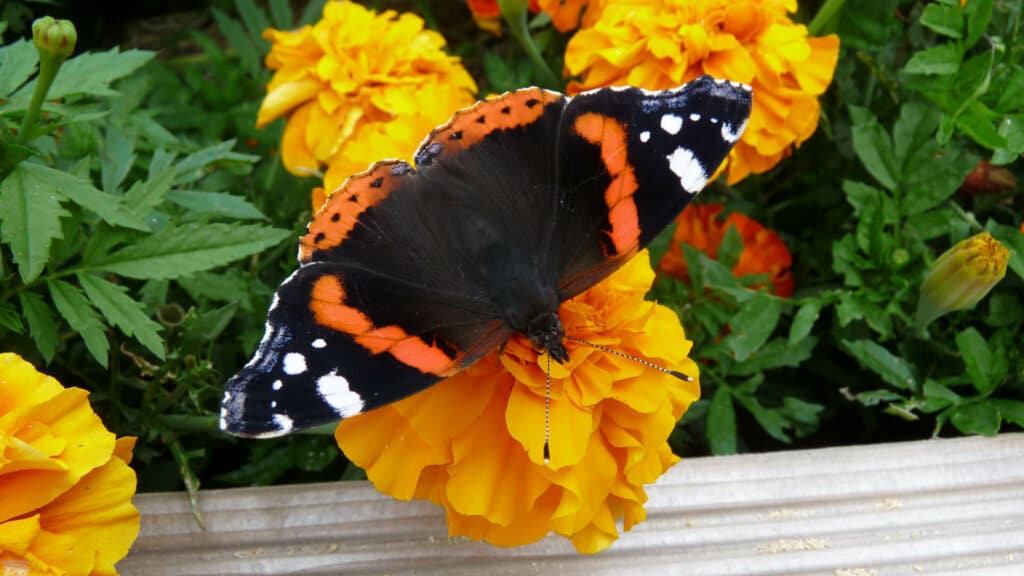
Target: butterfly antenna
<point>620,354</point>
<point>547,415</point>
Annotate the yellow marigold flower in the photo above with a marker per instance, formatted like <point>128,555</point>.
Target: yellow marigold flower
<point>961,277</point>
<point>465,441</point>
<point>664,43</point>
<point>342,81</point>
<point>64,479</point>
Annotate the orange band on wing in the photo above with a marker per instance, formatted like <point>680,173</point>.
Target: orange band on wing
<point>341,212</point>
<point>329,309</point>
<point>623,217</point>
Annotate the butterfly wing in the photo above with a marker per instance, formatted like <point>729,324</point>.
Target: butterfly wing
<point>629,161</point>
<point>403,273</point>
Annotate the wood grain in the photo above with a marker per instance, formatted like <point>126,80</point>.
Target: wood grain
<point>946,507</point>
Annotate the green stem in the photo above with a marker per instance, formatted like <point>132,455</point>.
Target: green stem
<point>515,14</point>
<point>967,216</point>
<point>48,66</point>
<point>825,15</point>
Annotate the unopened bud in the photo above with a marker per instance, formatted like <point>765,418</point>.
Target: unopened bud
<point>961,277</point>
<point>54,37</point>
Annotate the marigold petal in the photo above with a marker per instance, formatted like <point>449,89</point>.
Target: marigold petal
<point>285,97</point>
<point>296,156</point>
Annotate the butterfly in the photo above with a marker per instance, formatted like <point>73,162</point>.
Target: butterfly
<point>408,275</point>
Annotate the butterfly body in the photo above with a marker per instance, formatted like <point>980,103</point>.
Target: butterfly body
<point>408,276</point>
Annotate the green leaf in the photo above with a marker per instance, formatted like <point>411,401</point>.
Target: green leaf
<point>944,20</point>
<point>730,248</point>
<point>242,44</point>
<point>81,191</point>
<point>142,197</point>
<point>180,251</point>
<point>932,224</point>
<point>208,325</point>
<point>868,24</point>
<point>980,129</point>
<point>90,73</point>
<point>1004,310</point>
<point>117,156</point>
<point>979,13</point>
<point>937,396</point>
<point>17,63</point>
<point>777,353</point>
<point>190,168</point>
<point>311,13</point>
<point>914,128</point>
<point>255,22</point>
<point>772,421</point>
<point>216,204</point>
<point>803,321</point>
<point>933,175</point>
<point>978,418</point>
<point>82,318</point>
<point>753,324</point>
<point>721,423</point>
<point>874,148</point>
<point>893,369</point>
<point>10,319</point>
<point>41,323</point>
<point>1012,97</point>
<point>123,312</point>
<point>942,60</point>
<point>1012,130</point>
<point>1010,410</point>
<point>977,357</point>
<point>281,13</point>
<point>30,214</point>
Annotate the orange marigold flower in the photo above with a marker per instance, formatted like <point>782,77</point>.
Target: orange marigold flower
<point>664,43</point>
<point>465,441</point>
<point>763,251</point>
<point>356,82</point>
<point>65,480</point>
<point>566,14</point>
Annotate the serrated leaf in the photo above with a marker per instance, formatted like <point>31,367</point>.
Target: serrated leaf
<point>239,41</point>
<point>80,315</point>
<point>980,129</point>
<point>180,251</point>
<point>893,369</point>
<point>730,247</point>
<point>1011,410</point>
<point>933,175</point>
<point>941,60</point>
<point>255,22</point>
<point>90,73</point>
<point>721,423</point>
<point>10,319</point>
<point>875,151</point>
<point>1012,97</point>
<point>18,62</point>
<point>189,169</point>
<point>81,191</point>
<point>753,324</point>
<point>216,204</point>
<point>932,224</point>
<point>281,13</point>
<point>117,155</point>
<point>41,323</point>
<point>30,213</point>
<point>977,357</point>
<point>123,312</point>
<point>915,127</point>
<point>772,421</point>
<point>979,13</point>
<point>978,418</point>
<point>143,196</point>
<point>803,321</point>
<point>942,19</point>
<point>777,353</point>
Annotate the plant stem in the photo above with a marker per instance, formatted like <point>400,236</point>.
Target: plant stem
<point>515,14</point>
<point>48,66</point>
<point>825,15</point>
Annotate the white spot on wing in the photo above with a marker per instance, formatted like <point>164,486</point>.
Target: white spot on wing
<point>645,135</point>
<point>730,135</point>
<point>277,385</point>
<point>284,424</point>
<point>685,165</point>
<point>335,391</point>
<point>319,343</point>
<point>671,123</point>
<point>294,363</point>
<point>694,117</point>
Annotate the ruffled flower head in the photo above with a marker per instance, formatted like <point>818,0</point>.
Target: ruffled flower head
<point>473,444</point>
<point>64,479</point>
<point>664,43</point>
<point>764,252</point>
<point>359,86</point>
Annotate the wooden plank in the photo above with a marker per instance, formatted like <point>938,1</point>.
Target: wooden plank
<point>952,506</point>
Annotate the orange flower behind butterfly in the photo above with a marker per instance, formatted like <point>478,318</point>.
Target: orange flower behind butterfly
<point>474,443</point>
<point>565,14</point>
<point>664,43</point>
<point>358,86</point>
<point>764,252</point>
<point>65,484</point>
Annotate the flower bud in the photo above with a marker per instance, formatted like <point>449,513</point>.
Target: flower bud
<point>54,37</point>
<point>961,277</point>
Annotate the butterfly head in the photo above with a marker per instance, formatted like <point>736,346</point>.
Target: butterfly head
<point>546,334</point>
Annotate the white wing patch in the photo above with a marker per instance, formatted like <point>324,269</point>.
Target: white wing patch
<point>685,165</point>
<point>335,391</point>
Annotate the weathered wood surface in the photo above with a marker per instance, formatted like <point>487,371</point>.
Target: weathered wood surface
<point>951,507</point>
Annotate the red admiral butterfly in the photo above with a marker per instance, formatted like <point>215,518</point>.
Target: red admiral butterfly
<point>518,203</point>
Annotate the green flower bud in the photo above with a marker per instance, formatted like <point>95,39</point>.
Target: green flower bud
<point>961,277</point>
<point>54,37</point>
